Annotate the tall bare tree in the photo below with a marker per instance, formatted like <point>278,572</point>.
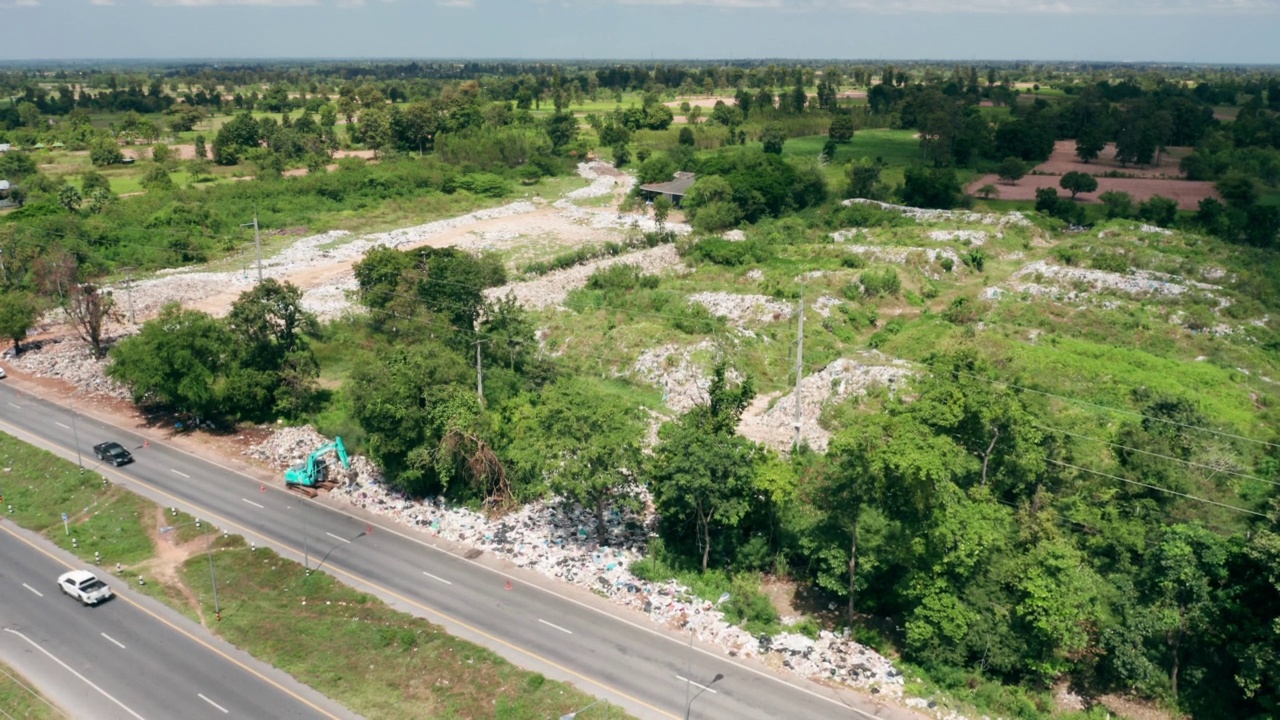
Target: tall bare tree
<point>89,308</point>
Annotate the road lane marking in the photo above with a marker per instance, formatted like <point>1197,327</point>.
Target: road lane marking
<point>179,472</point>
<point>683,679</point>
<point>176,628</point>
<point>117,642</point>
<point>434,577</point>
<point>253,503</point>
<point>224,710</point>
<point>55,422</point>
<point>37,592</point>
<point>247,532</point>
<point>544,622</point>
<point>15,406</point>
<point>71,670</point>
<point>335,537</point>
<point>358,579</point>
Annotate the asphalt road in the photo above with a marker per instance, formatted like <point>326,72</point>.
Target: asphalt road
<point>559,632</point>
<point>128,658</point>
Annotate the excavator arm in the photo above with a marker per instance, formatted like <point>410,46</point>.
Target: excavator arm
<point>310,474</point>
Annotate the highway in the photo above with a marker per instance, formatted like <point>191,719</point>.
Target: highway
<point>129,657</point>
<point>562,632</point>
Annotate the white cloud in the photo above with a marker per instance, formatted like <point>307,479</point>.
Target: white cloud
<point>1004,7</point>
<point>456,3</point>
<point>26,3</point>
<point>102,2</point>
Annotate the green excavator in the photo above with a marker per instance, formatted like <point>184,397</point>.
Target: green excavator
<point>312,475</point>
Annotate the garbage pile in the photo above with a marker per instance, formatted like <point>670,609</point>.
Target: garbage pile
<point>551,289</point>
<point>559,540</point>
<point>673,369</point>
<point>741,310</point>
<point>70,360</point>
<point>775,426</point>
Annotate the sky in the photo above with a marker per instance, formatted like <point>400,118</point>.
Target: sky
<point>1197,31</point>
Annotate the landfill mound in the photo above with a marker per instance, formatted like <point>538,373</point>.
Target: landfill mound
<point>743,310</point>
<point>771,419</point>
<point>1013,218</point>
<point>559,540</point>
<point>69,359</point>
<point>551,289</point>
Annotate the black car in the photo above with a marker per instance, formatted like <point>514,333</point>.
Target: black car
<point>112,452</point>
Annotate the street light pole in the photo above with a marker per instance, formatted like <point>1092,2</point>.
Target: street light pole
<point>213,577</point>
<point>75,428</point>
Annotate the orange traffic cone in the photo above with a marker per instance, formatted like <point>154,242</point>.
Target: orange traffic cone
<point>368,529</point>
<point>508,584</point>
<point>146,442</point>
<point>262,488</point>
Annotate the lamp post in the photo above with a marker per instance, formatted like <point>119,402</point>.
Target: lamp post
<point>688,678</point>
<point>208,548</point>
<point>306,551</point>
<point>75,428</point>
<point>576,713</point>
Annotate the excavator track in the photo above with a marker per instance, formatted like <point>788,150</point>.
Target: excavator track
<point>302,490</point>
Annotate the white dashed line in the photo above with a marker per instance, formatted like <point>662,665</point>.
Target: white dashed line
<point>202,697</point>
<point>335,537</point>
<point>117,642</point>
<point>71,670</point>
<point>252,503</point>
<point>55,422</point>
<point>433,577</point>
<point>683,679</point>
<point>544,622</point>
<point>179,472</point>
<point>37,592</point>
<point>15,406</point>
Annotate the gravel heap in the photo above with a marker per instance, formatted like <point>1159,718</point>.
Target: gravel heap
<point>69,359</point>
<point>604,180</point>
<point>559,540</point>
<point>332,300</point>
<point>825,304</point>
<point>921,214</point>
<point>551,289</point>
<point>741,310</point>
<point>775,426</point>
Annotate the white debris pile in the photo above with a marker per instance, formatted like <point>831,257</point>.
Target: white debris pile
<point>825,304</point>
<point>69,360</point>
<point>900,255</point>
<point>925,215</point>
<point>331,300</point>
<point>735,235</point>
<point>551,289</point>
<point>970,237</point>
<point>741,310</point>
<point>604,180</point>
<point>1141,282</point>
<point>287,447</point>
<point>673,369</point>
<point>772,420</point>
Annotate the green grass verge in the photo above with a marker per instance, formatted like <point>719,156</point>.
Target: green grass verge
<point>20,699</point>
<point>377,661</point>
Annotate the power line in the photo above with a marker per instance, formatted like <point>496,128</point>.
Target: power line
<point>1157,487</point>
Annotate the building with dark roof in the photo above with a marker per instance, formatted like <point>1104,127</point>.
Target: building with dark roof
<point>674,189</point>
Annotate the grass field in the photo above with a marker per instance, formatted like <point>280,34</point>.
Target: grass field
<point>898,149</point>
<point>20,700</point>
<point>352,647</point>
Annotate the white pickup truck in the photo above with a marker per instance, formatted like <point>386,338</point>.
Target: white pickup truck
<point>84,586</point>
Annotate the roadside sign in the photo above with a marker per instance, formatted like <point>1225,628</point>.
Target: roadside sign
<point>66,528</point>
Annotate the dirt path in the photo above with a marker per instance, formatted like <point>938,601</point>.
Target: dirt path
<point>169,557</point>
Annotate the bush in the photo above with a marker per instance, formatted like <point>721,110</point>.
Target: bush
<point>105,152</point>
<point>1119,204</point>
<point>853,261</point>
<point>976,259</point>
<point>717,216</point>
<point>694,319</point>
<point>1159,210</point>
<point>1110,261</point>
<point>962,311</point>
<point>882,283</point>
<point>885,334</point>
<point>947,264</point>
<point>621,277</point>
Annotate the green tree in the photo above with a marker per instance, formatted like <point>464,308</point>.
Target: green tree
<point>16,165</point>
<point>587,438</point>
<point>177,359</point>
<point>69,198</point>
<point>379,275</point>
<point>18,311</point>
<point>661,211</point>
<point>93,180</point>
<point>930,187</point>
<point>986,191</point>
<point>162,154</point>
<point>1011,169</point>
<point>686,136</point>
<point>1185,573</point>
<point>841,128</point>
<point>773,136</point>
<point>89,308</point>
<point>864,179</point>
<point>1159,210</point>
<point>1076,182</point>
<point>1090,143</point>
<point>702,472</point>
<point>1119,204</point>
<point>272,369</point>
<point>156,179</point>
<point>562,129</point>
<point>105,152</point>
<point>202,153</point>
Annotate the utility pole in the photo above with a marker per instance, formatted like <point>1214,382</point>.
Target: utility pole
<point>2,270</point>
<point>799,365</point>
<point>257,241</point>
<point>479,374</point>
<point>128,288</point>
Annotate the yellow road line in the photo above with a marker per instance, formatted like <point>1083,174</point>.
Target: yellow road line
<point>446,618</point>
<point>176,628</point>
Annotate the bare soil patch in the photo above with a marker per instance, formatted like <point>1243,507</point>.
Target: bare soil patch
<point>1064,160</point>
<point>1188,193</point>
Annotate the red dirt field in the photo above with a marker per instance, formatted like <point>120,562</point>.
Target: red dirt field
<point>1188,193</point>
<point>1064,160</point>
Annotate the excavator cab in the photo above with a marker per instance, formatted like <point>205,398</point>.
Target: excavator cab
<point>312,474</point>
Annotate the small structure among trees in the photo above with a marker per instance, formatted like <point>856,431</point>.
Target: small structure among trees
<point>673,190</point>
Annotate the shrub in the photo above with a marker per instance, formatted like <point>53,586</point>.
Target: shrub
<point>853,261</point>
<point>731,254</point>
<point>694,319</point>
<point>1110,261</point>
<point>1119,204</point>
<point>875,284</point>
<point>882,336</point>
<point>962,311</point>
<point>621,277</point>
<point>947,264</point>
<point>975,258</point>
